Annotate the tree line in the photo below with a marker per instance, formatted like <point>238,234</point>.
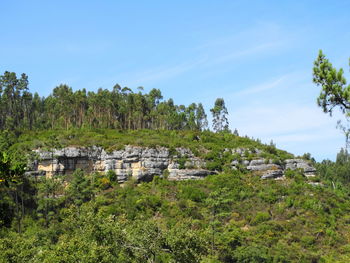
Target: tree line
<point>119,108</point>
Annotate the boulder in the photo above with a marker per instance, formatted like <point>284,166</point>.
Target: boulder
<point>272,174</point>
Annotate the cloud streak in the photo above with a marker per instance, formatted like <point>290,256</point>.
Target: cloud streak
<point>161,73</point>
<point>258,40</point>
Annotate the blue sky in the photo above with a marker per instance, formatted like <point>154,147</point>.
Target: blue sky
<point>257,55</point>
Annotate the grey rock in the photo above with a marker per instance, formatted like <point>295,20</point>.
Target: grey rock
<point>304,165</point>
<point>257,162</point>
<point>235,162</point>
<point>258,151</point>
<point>35,173</point>
<point>184,152</point>
<point>272,174</point>
<point>115,155</point>
<point>140,163</point>
<point>315,183</point>
<point>187,174</point>
<point>264,167</point>
<point>245,162</point>
<point>144,163</point>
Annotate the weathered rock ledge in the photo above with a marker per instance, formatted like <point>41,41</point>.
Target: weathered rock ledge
<point>138,162</point>
<point>144,163</point>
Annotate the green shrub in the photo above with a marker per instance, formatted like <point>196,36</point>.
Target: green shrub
<point>307,241</point>
<point>112,176</point>
<point>289,173</point>
<point>260,217</point>
<point>192,193</point>
<point>214,165</point>
<point>182,162</point>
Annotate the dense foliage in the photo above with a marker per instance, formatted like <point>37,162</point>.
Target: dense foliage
<point>119,108</point>
<point>230,217</point>
<point>336,173</point>
<point>220,122</point>
<point>335,92</point>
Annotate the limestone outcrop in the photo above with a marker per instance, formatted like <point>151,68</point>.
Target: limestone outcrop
<point>140,163</point>
<point>269,170</point>
<point>143,163</point>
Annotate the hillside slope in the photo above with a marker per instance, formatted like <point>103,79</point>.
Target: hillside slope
<point>232,216</point>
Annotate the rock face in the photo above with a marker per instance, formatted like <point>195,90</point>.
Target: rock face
<point>293,164</point>
<point>138,162</point>
<point>270,170</point>
<point>144,163</point>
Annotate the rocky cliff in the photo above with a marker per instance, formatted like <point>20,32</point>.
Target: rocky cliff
<point>144,163</point>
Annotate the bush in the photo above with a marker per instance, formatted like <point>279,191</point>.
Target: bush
<point>182,162</point>
<point>260,217</point>
<point>192,193</point>
<point>214,165</point>
<point>112,176</point>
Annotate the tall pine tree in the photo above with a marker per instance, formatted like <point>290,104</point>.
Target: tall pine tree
<point>220,121</point>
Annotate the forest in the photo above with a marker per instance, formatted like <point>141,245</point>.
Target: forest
<point>118,108</point>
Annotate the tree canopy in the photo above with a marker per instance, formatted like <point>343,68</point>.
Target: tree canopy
<point>118,108</point>
<point>219,111</point>
<point>335,93</point>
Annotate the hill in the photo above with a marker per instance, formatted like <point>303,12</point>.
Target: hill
<point>230,216</point>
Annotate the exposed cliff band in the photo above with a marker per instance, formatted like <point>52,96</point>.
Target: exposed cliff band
<point>142,163</point>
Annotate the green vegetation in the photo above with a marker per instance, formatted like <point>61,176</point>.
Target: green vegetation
<point>220,122</point>
<point>231,217</point>
<point>120,108</point>
<point>335,92</point>
<point>208,145</point>
<point>336,173</point>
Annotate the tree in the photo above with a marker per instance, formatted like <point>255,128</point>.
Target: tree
<point>201,117</point>
<point>12,180</point>
<point>220,122</point>
<point>48,201</point>
<point>119,108</point>
<point>335,93</point>
<point>79,189</point>
<point>12,93</point>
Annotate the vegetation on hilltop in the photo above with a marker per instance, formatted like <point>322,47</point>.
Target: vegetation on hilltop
<point>119,108</point>
<point>213,147</point>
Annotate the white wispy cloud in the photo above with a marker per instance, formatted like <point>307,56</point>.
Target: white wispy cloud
<point>258,39</point>
<point>153,75</point>
<point>246,52</point>
<point>275,83</point>
<point>259,32</point>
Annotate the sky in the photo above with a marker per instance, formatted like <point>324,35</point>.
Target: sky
<point>257,55</point>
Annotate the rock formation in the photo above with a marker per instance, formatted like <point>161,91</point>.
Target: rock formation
<point>144,163</point>
<point>138,162</point>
